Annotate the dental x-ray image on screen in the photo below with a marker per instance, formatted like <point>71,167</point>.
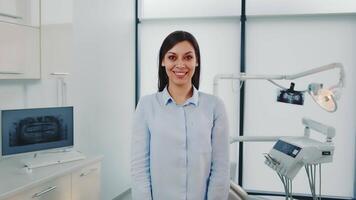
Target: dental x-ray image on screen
<point>27,130</point>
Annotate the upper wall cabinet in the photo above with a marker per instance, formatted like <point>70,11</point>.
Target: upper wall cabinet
<point>20,39</point>
<point>56,36</point>
<point>25,12</point>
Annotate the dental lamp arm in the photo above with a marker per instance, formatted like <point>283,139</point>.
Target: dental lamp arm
<point>321,69</point>
<point>328,131</point>
<point>254,139</point>
<point>243,76</point>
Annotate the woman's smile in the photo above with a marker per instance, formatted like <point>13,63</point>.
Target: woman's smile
<point>180,74</point>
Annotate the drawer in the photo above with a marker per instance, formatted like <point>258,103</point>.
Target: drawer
<point>58,189</point>
<point>86,183</point>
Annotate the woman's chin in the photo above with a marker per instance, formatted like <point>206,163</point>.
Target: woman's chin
<point>181,83</point>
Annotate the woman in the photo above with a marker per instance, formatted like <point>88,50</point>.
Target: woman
<point>180,135</point>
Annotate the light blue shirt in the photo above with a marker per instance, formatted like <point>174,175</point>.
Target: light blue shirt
<point>180,152</point>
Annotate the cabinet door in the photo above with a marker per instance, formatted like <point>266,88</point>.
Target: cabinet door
<point>86,183</point>
<point>25,12</point>
<point>19,52</point>
<point>58,189</point>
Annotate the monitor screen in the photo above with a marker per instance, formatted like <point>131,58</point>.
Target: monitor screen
<point>35,129</point>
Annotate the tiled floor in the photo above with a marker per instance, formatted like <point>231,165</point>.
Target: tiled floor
<point>128,197</point>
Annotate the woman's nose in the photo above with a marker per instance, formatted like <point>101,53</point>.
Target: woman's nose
<point>179,64</point>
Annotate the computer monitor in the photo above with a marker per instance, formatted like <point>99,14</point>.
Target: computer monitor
<point>36,129</point>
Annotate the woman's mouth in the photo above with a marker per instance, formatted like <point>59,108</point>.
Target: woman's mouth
<point>180,74</point>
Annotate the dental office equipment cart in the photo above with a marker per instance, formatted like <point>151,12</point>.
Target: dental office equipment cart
<point>290,154</point>
<point>77,180</point>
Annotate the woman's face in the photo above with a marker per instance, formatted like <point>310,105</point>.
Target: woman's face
<point>180,63</point>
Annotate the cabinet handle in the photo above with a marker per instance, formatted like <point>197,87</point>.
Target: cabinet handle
<point>10,72</point>
<point>10,16</point>
<point>44,192</point>
<point>59,73</point>
<point>88,172</point>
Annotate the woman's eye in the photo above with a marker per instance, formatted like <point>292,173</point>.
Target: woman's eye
<point>171,57</point>
<point>189,57</point>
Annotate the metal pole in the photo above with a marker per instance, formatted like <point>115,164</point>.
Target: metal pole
<point>137,68</point>
<point>242,91</point>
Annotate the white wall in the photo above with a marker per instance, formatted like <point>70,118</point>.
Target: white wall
<point>95,44</point>
<point>103,88</point>
<point>57,12</point>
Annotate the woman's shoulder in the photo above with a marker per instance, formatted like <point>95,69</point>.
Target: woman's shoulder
<point>209,98</point>
<point>147,98</point>
<point>150,100</point>
<point>212,103</point>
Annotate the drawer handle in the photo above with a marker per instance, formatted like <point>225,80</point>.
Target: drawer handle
<point>88,172</point>
<point>44,192</point>
<point>10,72</point>
<point>10,16</point>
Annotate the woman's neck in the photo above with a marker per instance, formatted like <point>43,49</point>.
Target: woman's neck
<point>180,93</point>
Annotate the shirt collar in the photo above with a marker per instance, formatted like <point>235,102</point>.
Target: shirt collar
<point>192,100</point>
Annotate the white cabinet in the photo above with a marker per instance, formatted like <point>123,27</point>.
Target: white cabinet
<point>20,39</point>
<point>24,12</point>
<point>86,183</point>
<point>58,189</point>
<point>77,180</point>
<point>19,52</point>
<point>56,35</point>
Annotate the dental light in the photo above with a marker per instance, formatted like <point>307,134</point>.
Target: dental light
<point>324,97</point>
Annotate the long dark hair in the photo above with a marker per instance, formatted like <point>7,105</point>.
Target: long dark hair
<point>168,43</point>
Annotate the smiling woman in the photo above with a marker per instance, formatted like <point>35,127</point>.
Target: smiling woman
<point>180,135</point>
<point>179,64</point>
<point>179,51</point>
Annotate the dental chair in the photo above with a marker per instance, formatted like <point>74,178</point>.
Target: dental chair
<point>236,192</point>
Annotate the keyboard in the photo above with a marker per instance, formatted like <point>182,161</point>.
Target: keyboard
<point>46,159</point>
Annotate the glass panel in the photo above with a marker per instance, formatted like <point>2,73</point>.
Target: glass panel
<point>292,7</point>
<point>188,8</point>
<point>211,8</point>
<point>290,45</point>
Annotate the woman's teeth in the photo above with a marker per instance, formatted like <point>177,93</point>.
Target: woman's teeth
<point>180,73</point>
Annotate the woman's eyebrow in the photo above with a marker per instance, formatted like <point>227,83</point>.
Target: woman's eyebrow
<point>170,52</point>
